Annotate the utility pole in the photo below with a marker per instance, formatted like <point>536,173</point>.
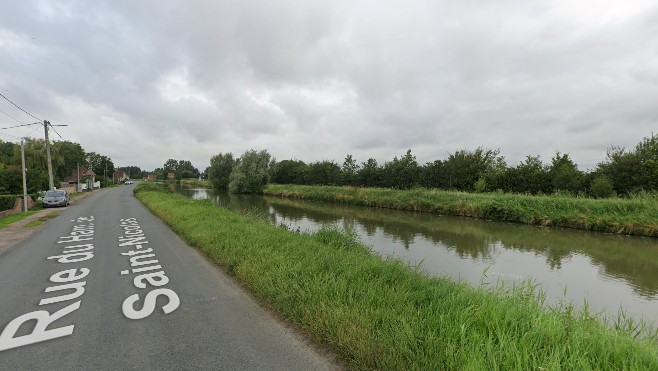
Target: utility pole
<point>50,165</point>
<point>24,180</point>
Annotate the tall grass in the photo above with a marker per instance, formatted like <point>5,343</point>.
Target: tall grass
<point>381,314</point>
<point>637,216</point>
<point>196,183</point>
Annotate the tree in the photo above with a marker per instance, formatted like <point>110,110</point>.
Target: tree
<point>180,168</point>
<point>220,169</point>
<point>564,174</point>
<point>401,173</point>
<point>290,172</point>
<point>434,175</point>
<point>623,168</point>
<point>102,166</point>
<point>464,167</point>
<point>170,166</point>
<point>323,173</point>
<point>6,151</point>
<point>647,153</point>
<point>495,176</point>
<point>72,154</point>
<point>350,170</point>
<point>133,172</point>
<point>11,181</point>
<point>371,174</point>
<point>529,176</point>
<point>250,174</point>
<point>185,170</point>
<point>36,163</point>
<point>160,173</point>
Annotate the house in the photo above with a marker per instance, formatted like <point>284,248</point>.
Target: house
<point>171,176</point>
<point>86,177</point>
<point>119,176</point>
<point>151,177</point>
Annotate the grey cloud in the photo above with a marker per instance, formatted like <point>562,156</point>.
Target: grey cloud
<point>315,80</point>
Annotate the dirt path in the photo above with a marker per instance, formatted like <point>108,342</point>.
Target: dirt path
<point>18,231</point>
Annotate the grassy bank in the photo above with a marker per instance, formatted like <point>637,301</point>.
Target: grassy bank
<point>621,216</point>
<point>196,183</point>
<point>380,314</point>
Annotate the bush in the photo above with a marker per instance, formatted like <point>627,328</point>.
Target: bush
<point>7,202</point>
<point>601,187</point>
<point>481,185</point>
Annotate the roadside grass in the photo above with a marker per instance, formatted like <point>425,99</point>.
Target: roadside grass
<point>4,222</point>
<point>41,220</point>
<point>74,196</point>
<point>381,314</point>
<point>18,217</point>
<point>635,216</point>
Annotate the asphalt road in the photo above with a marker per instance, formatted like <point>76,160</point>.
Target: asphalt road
<point>72,297</point>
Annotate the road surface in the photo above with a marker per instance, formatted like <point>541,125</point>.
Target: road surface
<point>106,285</point>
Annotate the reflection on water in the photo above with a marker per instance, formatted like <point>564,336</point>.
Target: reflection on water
<point>608,271</point>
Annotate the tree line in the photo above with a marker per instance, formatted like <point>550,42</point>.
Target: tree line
<point>181,169</point>
<point>66,156</point>
<point>623,172</point>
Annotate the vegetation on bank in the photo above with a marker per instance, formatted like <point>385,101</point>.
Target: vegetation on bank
<point>195,183</point>
<point>380,314</point>
<point>622,173</point>
<point>637,216</point>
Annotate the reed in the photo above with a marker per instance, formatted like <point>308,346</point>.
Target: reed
<point>633,216</point>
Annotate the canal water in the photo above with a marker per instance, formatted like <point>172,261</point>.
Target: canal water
<point>609,272</point>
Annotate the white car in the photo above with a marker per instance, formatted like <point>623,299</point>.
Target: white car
<point>128,182</point>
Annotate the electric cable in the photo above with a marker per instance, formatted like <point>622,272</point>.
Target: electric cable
<point>17,106</point>
<point>12,117</point>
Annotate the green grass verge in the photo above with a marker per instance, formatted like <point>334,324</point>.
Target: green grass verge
<point>41,220</point>
<point>621,216</point>
<point>380,314</point>
<point>4,222</point>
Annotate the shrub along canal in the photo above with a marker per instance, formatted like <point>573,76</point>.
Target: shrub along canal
<point>610,272</point>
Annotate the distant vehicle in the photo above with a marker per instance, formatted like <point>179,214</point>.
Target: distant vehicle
<point>56,198</point>
<point>128,182</point>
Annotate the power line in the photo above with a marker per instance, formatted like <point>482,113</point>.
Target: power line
<point>7,99</point>
<point>52,127</point>
<point>33,130</point>
<point>18,126</point>
<point>10,136</point>
<point>48,123</point>
<point>12,117</point>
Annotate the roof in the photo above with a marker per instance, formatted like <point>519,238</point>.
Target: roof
<point>84,173</point>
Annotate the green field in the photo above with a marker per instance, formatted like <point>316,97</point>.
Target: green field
<point>381,314</point>
<point>636,216</point>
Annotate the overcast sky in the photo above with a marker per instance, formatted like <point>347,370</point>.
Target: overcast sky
<point>144,81</point>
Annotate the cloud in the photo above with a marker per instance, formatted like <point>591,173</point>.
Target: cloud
<point>146,81</point>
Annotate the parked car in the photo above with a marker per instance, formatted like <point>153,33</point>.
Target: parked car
<point>128,182</point>
<point>56,198</point>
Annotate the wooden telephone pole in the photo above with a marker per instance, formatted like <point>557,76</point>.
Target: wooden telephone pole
<point>51,185</point>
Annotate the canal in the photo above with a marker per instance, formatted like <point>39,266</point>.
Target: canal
<point>609,272</point>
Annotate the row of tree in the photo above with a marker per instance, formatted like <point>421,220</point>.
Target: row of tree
<point>180,169</point>
<point>481,170</point>
<point>66,156</point>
